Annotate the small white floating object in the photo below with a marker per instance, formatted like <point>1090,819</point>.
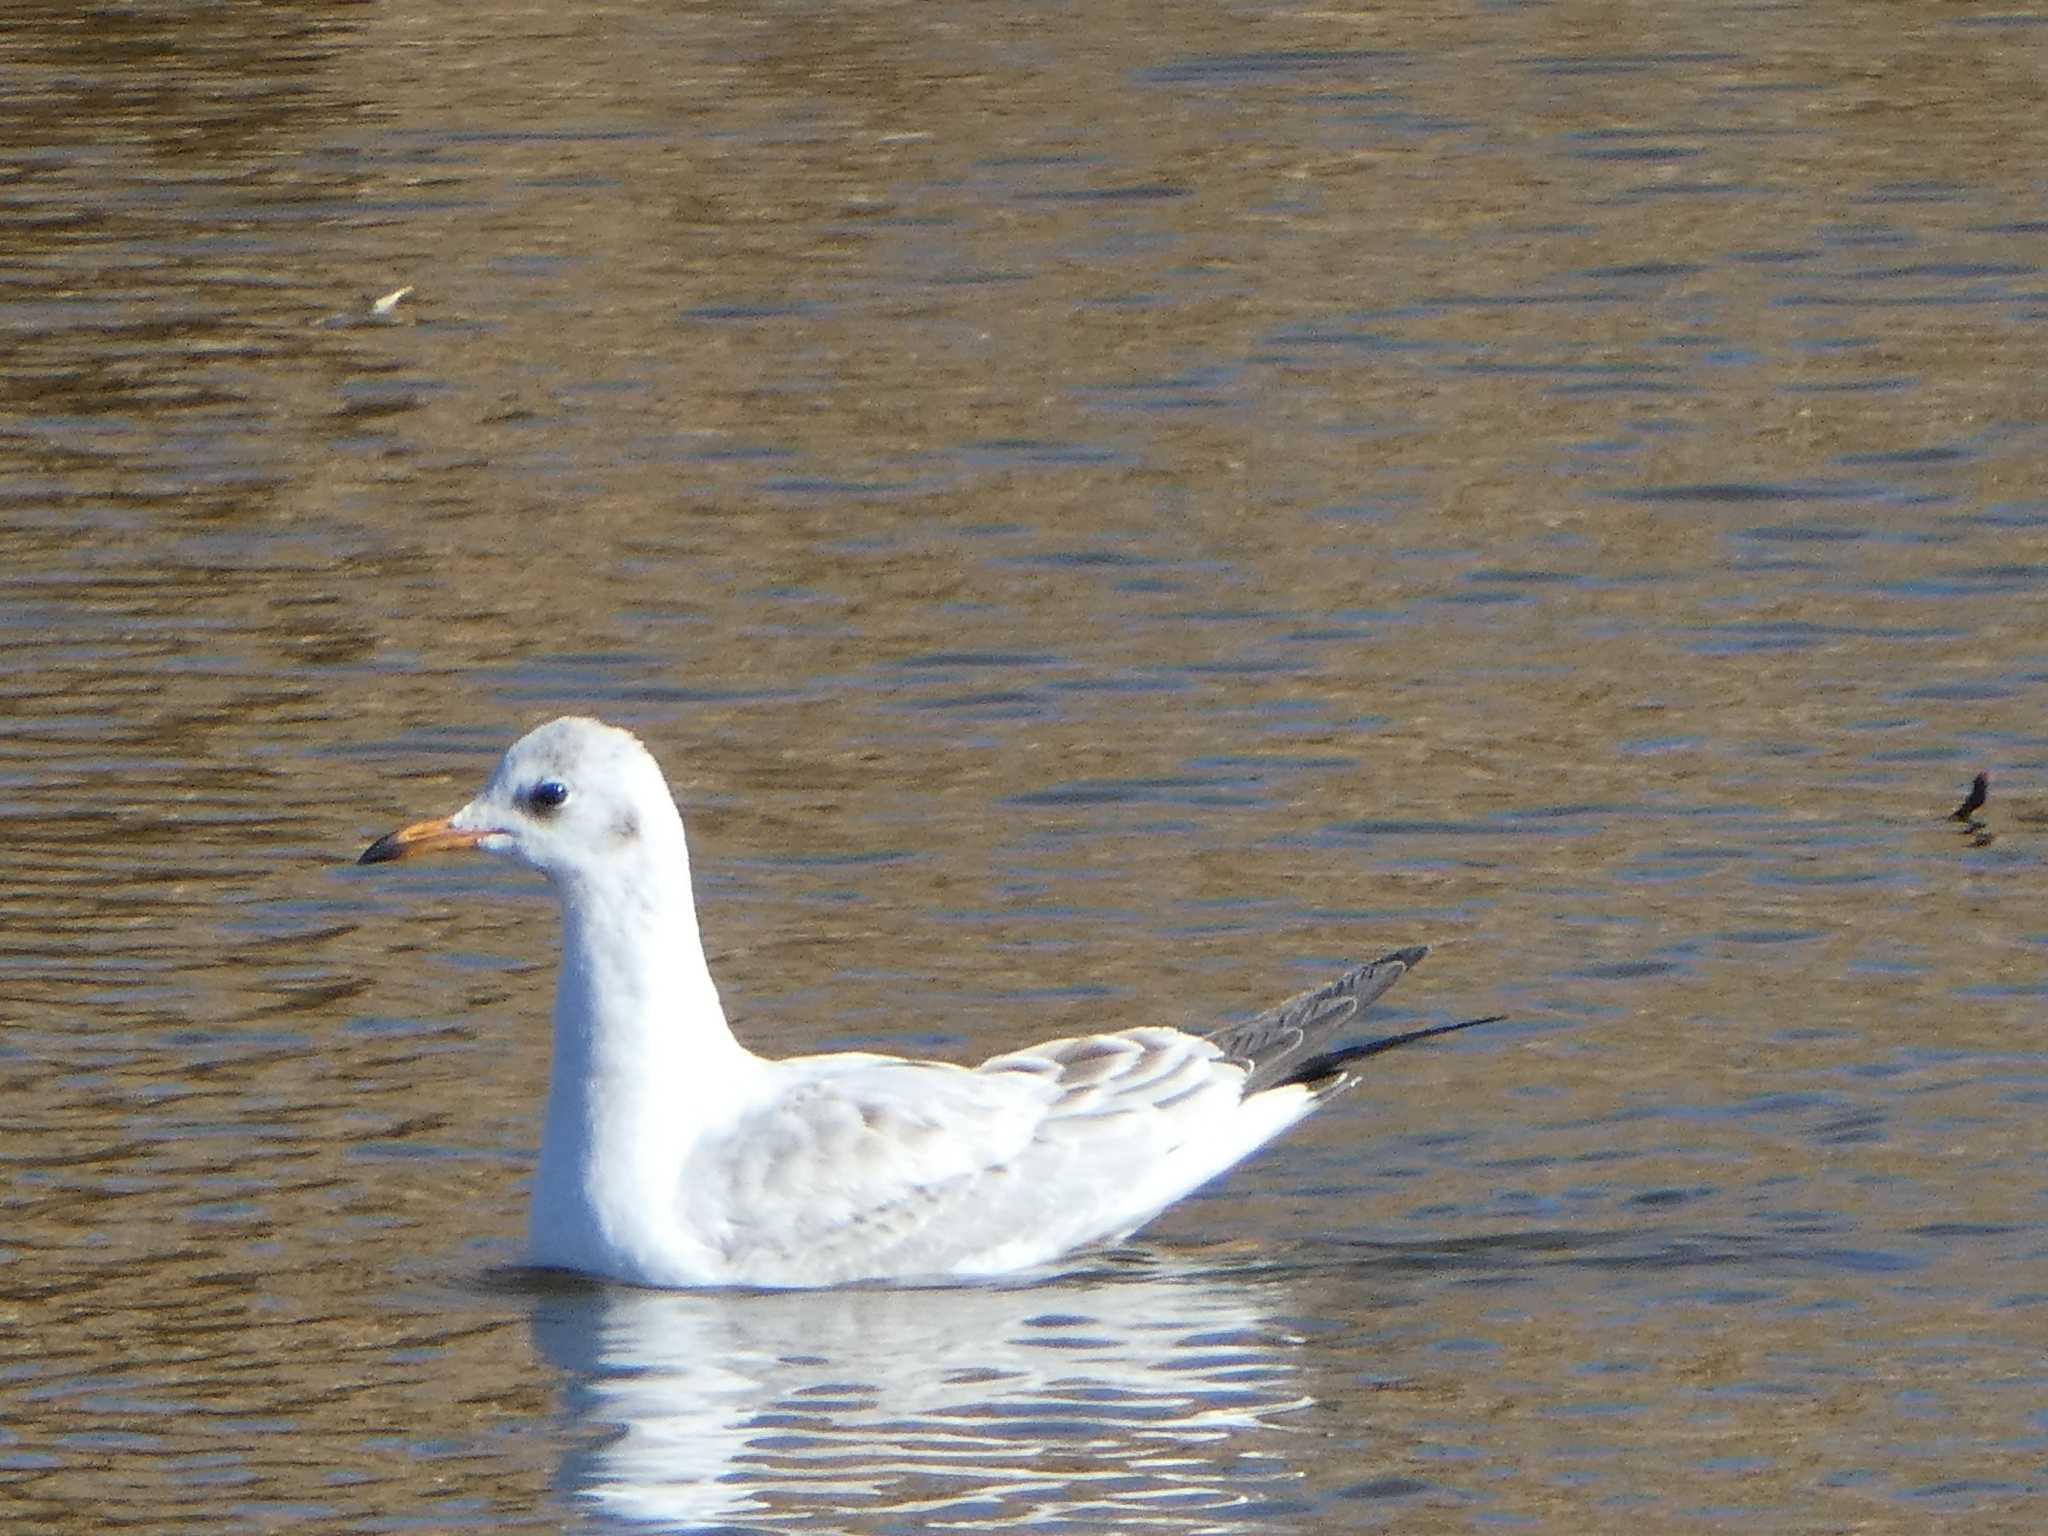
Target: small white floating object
<point>673,1156</point>
<point>390,301</point>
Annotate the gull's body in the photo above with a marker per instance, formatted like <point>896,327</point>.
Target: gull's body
<point>673,1156</point>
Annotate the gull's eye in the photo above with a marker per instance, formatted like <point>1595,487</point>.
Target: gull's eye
<point>547,796</point>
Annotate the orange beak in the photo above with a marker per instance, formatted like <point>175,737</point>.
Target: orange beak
<point>421,837</point>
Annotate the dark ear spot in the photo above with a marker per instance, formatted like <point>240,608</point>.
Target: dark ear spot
<point>626,827</point>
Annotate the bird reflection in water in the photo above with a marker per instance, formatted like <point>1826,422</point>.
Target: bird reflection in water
<point>1103,1397</point>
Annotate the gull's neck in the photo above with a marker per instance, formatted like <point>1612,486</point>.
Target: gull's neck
<point>644,1062</point>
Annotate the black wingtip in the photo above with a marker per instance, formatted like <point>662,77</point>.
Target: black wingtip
<point>1335,1064</point>
<point>1302,1029</point>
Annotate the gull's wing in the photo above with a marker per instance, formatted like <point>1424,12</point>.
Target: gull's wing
<point>850,1166</point>
<point>864,1165</point>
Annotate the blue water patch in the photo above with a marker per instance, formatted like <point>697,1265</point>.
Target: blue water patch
<point>1219,71</point>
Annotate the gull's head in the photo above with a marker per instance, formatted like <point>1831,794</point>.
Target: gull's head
<point>569,798</point>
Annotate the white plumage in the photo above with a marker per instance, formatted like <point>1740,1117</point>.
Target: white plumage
<point>673,1156</point>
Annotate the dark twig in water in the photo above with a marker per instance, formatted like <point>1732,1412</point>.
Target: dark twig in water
<point>1980,791</point>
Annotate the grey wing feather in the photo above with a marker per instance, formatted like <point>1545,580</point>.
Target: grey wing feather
<point>858,1165</point>
<point>1274,1047</point>
<point>1135,1071</point>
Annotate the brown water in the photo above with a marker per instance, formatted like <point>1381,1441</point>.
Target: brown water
<point>1107,512</point>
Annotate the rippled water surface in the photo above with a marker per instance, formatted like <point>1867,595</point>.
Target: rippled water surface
<point>1107,513</point>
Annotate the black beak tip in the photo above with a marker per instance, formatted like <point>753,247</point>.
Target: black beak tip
<point>382,851</point>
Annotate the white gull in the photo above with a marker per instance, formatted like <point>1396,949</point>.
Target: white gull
<point>671,1155</point>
